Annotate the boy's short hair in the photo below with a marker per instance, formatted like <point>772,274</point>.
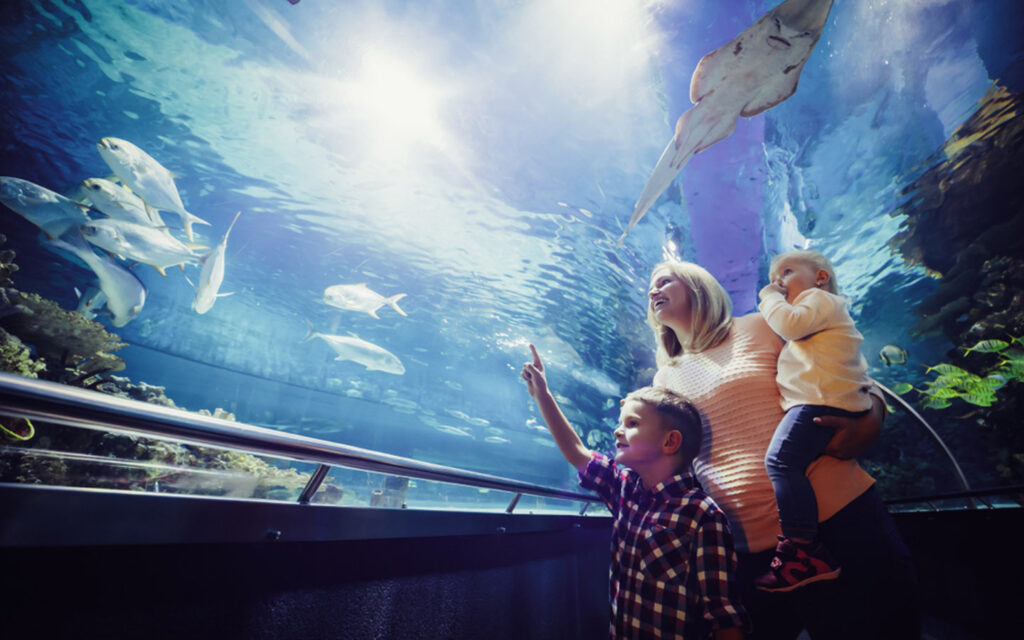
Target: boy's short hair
<point>678,413</point>
<point>813,258</point>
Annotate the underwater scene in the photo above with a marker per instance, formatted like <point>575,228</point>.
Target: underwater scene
<point>348,221</point>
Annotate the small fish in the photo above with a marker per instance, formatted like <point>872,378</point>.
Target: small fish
<point>936,403</point>
<point>117,202</point>
<point>901,388</point>
<point>140,243</point>
<point>212,274</point>
<point>942,392</point>
<point>359,297</point>
<point>893,354</point>
<point>48,210</point>
<point>988,346</point>
<point>147,178</point>
<point>994,381</point>
<point>979,399</point>
<point>455,431</point>
<point>947,369</point>
<point>951,380</point>
<point>90,302</point>
<point>125,293</point>
<point>369,355</point>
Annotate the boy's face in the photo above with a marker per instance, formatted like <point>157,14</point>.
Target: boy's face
<point>641,435</point>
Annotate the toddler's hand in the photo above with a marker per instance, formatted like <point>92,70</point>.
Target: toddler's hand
<point>533,374</point>
<point>771,288</point>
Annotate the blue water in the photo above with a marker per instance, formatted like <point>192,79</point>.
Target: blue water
<point>481,158</point>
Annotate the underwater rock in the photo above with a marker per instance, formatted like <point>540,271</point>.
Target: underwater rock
<point>7,266</point>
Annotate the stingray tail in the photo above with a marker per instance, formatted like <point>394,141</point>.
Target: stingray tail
<point>393,301</point>
<point>662,176</point>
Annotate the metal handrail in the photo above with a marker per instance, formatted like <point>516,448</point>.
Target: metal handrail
<point>49,401</point>
<point>961,478</point>
<point>981,494</point>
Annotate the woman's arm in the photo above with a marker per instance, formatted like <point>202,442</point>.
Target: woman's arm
<point>854,436</point>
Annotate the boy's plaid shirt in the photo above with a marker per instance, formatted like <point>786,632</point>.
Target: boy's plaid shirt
<point>673,564</point>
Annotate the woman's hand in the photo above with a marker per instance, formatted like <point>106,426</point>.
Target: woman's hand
<point>533,374</point>
<point>854,436</point>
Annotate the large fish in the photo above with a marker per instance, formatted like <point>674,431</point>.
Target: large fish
<point>141,243</point>
<point>369,355</point>
<point>147,178</point>
<point>125,293</point>
<point>212,274</point>
<point>48,210</point>
<point>90,302</point>
<point>359,297</point>
<point>754,72</point>
<point>117,202</point>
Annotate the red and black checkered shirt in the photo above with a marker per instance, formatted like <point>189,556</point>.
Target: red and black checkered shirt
<point>673,563</point>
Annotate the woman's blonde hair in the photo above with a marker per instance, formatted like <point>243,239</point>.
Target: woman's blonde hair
<point>811,257</point>
<point>710,313</point>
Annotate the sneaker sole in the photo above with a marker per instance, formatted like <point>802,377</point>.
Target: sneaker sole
<point>831,575</point>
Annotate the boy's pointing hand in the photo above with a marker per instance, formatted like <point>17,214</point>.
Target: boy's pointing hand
<point>533,374</point>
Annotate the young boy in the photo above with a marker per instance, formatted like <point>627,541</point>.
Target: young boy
<point>821,372</point>
<point>673,563</point>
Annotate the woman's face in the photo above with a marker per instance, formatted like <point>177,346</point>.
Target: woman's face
<point>670,300</point>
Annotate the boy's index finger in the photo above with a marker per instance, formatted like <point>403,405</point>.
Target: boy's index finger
<point>536,357</point>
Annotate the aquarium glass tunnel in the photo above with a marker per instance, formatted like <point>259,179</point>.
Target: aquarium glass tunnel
<point>296,251</point>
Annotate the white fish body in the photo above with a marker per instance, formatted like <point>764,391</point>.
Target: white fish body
<point>212,274</point>
<point>125,293</point>
<point>149,179</point>
<point>141,243</point>
<point>360,297</point>
<point>48,210</point>
<point>755,71</point>
<point>369,355</point>
<point>90,302</point>
<point>117,202</point>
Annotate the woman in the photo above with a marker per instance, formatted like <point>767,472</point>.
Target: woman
<point>727,367</point>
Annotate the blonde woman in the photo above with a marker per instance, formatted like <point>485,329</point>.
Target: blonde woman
<point>727,367</point>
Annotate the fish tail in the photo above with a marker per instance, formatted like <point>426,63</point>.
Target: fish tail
<point>310,331</point>
<point>187,220</point>
<point>393,301</point>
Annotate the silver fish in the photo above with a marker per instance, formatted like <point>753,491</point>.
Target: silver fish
<point>117,202</point>
<point>212,274</point>
<point>147,178</point>
<point>359,297</point>
<point>48,210</point>
<point>369,355</point>
<point>754,72</point>
<point>141,243</point>
<point>125,293</point>
<point>90,302</point>
<point>893,354</point>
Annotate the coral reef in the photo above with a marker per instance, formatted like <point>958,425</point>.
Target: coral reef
<point>39,339</point>
<point>72,346</point>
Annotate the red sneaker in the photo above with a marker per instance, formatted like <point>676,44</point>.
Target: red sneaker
<point>796,565</point>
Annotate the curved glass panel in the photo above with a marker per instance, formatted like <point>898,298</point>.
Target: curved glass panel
<point>427,187</point>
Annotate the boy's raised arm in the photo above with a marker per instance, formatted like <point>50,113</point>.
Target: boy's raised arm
<point>565,437</point>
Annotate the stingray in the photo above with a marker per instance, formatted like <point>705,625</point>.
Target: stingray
<point>755,71</point>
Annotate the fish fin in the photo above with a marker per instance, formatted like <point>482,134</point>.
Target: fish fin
<point>190,283</point>
<point>373,312</point>
<point>159,270</point>
<point>393,301</point>
<point>116,178</point>
<point>173,175</point>
<point>224,295</point>
<point>195,246</point>
<point>188,219</point>
<point>310,331</point>
<point>230,227</point>
<point>78,294</point>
